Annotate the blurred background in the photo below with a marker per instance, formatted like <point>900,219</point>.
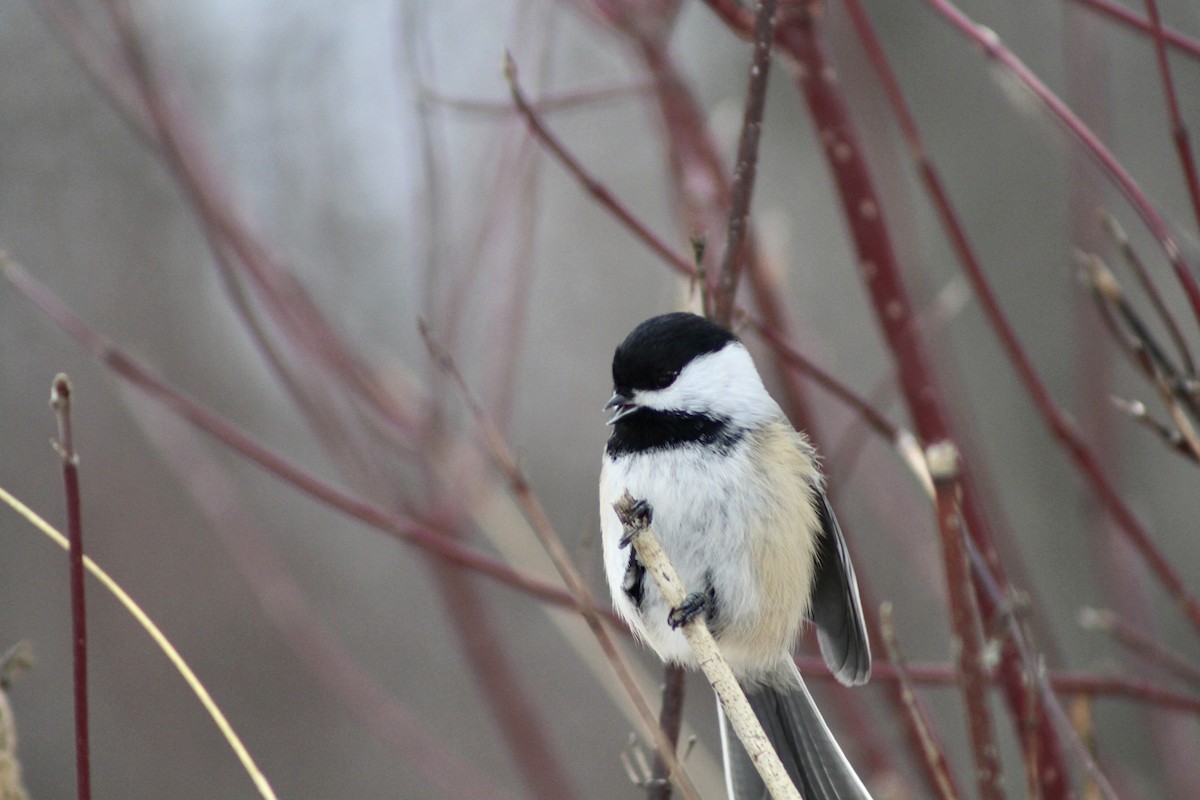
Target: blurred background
<point>371,148</point>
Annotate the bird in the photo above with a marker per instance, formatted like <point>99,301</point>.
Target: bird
<point>738,502</point>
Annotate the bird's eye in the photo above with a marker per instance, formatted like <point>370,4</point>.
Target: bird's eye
<point>667,377</point>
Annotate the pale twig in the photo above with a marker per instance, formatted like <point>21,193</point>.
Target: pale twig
<point>160,639</point>
<point>636,522</point>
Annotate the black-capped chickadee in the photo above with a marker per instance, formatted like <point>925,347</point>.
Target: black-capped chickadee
<point>738,502</point>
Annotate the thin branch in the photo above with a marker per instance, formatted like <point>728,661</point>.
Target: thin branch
<point>747,164</point>
<point>1129,18</point>
<point>1139,643</point>
<point>1179,128</point>
<point>597,190</point>
<point>968,637</point>
<point>1148,286</point>
<point>60,401</point>
<point>547,104</point>
<point>1036,671</point>
<point>917,718</point>
<point>539,520</point>
<point>670,719</point>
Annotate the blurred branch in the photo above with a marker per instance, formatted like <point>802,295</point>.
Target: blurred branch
<point>1179,131</point>
<point>216,495</point>
<point>233,437</point>
<point>917,718</point>
<point>1130,18</point>
<point>597,190</point>
<point>670,719</point>
<point>13,662</point>
<point>1151,289</point>
<point>536,515</point>
<point>1139,643</point>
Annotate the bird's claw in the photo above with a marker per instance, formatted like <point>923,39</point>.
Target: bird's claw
<point>636,517</point>
<point>693,605</point>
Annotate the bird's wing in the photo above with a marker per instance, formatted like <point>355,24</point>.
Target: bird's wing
<point>836,609</point>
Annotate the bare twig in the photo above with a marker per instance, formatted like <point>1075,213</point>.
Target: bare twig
<point>670,719</point>
<point>1139,643</point>
<point>968,645</point>
<point>918,719</point>
<point>60,401</point>
<point>747,164</point>
<point>599,191</point>
<point>1151,289</point>
<point>733,700</point>
<point>1129,18</point>
<point>1179,131</point>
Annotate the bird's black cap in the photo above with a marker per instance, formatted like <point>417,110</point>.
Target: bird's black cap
<point>654,352</point>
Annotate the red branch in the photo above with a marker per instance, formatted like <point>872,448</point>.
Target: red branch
<point>747,164</point>
<point>60,401</point>
<point>879,268</point>
<point>1179,130</point>
<point>1185,44</point>
<point>964,619</point>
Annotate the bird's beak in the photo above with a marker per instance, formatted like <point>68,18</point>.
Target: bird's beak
<point>624,405</point>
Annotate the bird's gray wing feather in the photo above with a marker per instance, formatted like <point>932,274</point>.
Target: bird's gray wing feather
<point>808,750</point>
<point>836,609</point>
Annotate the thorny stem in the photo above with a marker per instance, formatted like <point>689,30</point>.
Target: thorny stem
<point>747,164</point>
<point>60,401</point>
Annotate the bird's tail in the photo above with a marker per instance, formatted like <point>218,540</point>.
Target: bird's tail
<point>800,736</point>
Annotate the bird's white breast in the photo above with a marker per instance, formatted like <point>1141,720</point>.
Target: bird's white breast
<point>727,519</point>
